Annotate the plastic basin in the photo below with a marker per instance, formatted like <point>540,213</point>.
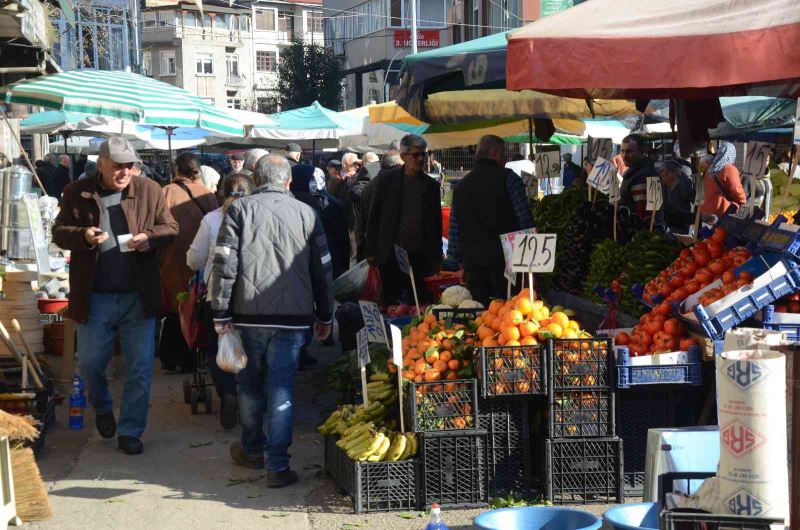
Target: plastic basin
<point>537,518</point>
<point>52,305</point>
<point>643,515</point>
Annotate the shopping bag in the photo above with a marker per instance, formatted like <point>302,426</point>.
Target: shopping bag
<point>190,306</point>
<point>348,286</point>
<point>372,287</point>
<point>230,355</point>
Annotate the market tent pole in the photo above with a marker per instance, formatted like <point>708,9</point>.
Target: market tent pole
<point>169,142</point>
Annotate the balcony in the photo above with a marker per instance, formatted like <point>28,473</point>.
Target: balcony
<point>235,81</point>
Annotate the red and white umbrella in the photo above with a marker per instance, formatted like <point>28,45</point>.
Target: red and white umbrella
<point>626,49</point>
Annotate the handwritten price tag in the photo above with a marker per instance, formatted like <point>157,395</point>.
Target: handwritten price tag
<point>507,242</point>
<point>534,253</point>
<point>755,161</point>
<point>362,338</point>
<point>599,148</point>
<point>402,259</point>
<point>614,194</point>
<point>373,322</point>
<point>547,165</point>
<point>397,345</point>
<point>601,175</point>
<point>655,197</point>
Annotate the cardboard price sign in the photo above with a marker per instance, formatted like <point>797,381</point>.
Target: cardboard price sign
<point>363,361</point>
<point>601,175</point>
<point>547,164</point>
<point>655,196</point>
<point>534,253</point>
<point>755,160</point>
<point>599,148</point>
<point>373,322</point>
<point>614,193</point>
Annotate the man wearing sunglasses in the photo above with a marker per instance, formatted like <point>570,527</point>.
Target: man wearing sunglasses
<point>406,211</point>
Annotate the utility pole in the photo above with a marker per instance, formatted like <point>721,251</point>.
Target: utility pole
<point>413,26</point>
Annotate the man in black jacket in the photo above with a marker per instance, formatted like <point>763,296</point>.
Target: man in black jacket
<point>678,195</point>
<point>405,210</point>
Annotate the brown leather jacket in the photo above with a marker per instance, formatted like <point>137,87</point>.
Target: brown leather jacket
<point>145,210</point>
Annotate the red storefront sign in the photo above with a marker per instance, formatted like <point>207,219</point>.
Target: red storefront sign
<point>426,38</point>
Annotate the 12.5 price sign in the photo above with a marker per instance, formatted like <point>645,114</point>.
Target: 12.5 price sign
<point>534,253</point>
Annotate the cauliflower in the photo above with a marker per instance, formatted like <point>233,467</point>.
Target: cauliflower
<point>470,304</point>
<point>454,295</point>
<point>439,307</point>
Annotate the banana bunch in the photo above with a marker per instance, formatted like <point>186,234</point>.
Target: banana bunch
<point>365,444</point>
<point>380,389</point>
<point>347,416</point>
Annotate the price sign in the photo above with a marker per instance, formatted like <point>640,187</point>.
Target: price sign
<point>755,160</point>
<point>601,175</point>
<point>397,345</point>
<point>599,148</point>
<point>362,339</point>
<point>373,322</point>
<point>654,194</point>
<point>534,253</point>
<point>507,242</point>
<point>699,190</point>
<point>614,194</point>
<point>402,259</point>
<point>547,164</point>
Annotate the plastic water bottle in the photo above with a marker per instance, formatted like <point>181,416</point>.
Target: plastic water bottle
<point>436,522</point>
<point>77,404</point>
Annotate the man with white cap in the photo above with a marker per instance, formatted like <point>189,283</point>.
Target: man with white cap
<point>113,224</point>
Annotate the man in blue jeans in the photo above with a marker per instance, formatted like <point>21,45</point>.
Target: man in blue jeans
<point>113,223</point>
<point>271,276</point>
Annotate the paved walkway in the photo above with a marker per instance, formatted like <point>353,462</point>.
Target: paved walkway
<point>185,478</point>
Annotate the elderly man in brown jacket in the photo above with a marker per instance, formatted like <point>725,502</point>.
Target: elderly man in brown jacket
<point>113,224</point>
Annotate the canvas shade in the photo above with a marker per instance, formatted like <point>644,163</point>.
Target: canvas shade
<point>123,95</point>
<point>307,124</point>
<point>664,49</point>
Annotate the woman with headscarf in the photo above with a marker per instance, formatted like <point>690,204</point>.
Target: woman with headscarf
<point>723,185</point>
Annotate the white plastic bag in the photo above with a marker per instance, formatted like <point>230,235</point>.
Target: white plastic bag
<point>230,355</point>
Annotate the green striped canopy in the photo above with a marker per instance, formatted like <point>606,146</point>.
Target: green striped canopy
<point>123,95</point>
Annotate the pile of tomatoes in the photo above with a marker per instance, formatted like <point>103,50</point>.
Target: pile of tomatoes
<point>656,332</point>
<point>696,267</point>
<point>788,304</point>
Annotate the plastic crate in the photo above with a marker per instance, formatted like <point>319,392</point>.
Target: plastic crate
<point>373,486</point>
<point>776,239</point>
<point>580,413</point>
<point>513,371</point>
<point>441,405</point>
<point>578,364</point>
<point>669,374</point>
<point>583,471</point>
<point>789,323</point>
<point>457,316</point>
<point>637,411</point>
<point>508,459</point>
<point>774,276</point>
<point>688,520</point>
<point>453,469</point>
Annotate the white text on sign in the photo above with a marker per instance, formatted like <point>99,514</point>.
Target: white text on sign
<point>534,253</point>
<point>599,148</point>
<point>755,160</point>
<point>373,321</point>
<point>601,175</point>
<point>655,196</point>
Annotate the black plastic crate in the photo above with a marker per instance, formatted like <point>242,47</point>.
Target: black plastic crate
<point>579,364</point>
<point>513,371</point>
<point>457,316</point>
<point>453,469</point>
<point>580,413</point>
<point>583,471</point>
<point>373,486</point>
<point>638,410</point>
<point>508,459</point>
<point>441,405</point>
<point>688,520</point>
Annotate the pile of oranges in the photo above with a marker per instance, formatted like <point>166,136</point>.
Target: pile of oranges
<point>520,322</point>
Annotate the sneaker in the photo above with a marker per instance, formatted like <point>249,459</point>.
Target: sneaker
<point>239,456</point>
<point>106,424</point>
<point>280,479</point>
<point>130,445</point>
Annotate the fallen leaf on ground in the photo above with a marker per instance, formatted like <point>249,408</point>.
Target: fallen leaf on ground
<point>114,500</point>
<point>275,515</point>
<point>410,515</point>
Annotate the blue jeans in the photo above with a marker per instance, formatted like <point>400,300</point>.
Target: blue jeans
<point>111,315</point>
<point>267,384</point>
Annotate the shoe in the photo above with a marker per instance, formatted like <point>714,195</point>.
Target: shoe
<point>243,459</point>
<point>280,479</point>
<point>106,424</point>
<point>130,445</point>
<point>229,412</point>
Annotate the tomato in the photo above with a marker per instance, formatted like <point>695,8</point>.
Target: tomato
<point>636,349</point>
<point>685,254</point>
<point>647,340</point>
<point>717,267</point>
<point>691,287</point>
<point>684,344</point>
<point>677,281</point>
<point>662,309</point>
<point>664,291</point>
<point>704,275</point>
<point>672,326</point>
<point>746,275</point>
<point>622,339</point>
<point>702,257</point>
<point>794,307</point>
<point>652,328</point>
<point>689,269</point>
<point>719,234</point>
<point>716,249</point>
<point>616,286</point>
<point>782,309</point>
<point>728,276</point>
<point>671,343</point>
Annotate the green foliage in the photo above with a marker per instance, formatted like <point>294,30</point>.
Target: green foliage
<point>308,73</point>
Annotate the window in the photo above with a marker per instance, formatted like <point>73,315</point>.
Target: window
<point>374,96</point>
<point>430,13</point>
<point>205,64</point>
<point>232,66</point>
<point>168,63</point>
<point>267,105</point>
<point>373,77</point>
<point>147,63</point>
<point>166,18</point>
<point>233,100</point>
<point>189,20</point>
<point>149,20</point>
<point>313,22</point>
<point>397,13</point>
<point>265,19</point>
<point>286,22</point>
<point>206,22</point>
<point>220,22</point>
<point>233,23</point>
<point>265,61</point>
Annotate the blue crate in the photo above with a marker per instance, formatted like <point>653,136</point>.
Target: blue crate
<point>671,374</point>
<point>750,303</point>
<point>777,239</point>
<point>400,322</point>
<point>772,321</point>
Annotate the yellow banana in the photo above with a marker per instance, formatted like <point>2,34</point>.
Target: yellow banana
<point>380,454</point>
<point>414,443</point>
<point>373,446</point>
<point>379,377</point>
<point>400,442</point>
<point>409,447</point>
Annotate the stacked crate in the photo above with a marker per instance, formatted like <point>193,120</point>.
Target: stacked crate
<point>580,456</point>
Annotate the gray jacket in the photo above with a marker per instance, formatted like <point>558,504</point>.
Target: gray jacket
<point>271,263</point>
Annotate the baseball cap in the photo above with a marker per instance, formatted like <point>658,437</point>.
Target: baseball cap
<point>239,155</point>
<point>119,150</point>
<point>335,163</point>
<point>294,148</point>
